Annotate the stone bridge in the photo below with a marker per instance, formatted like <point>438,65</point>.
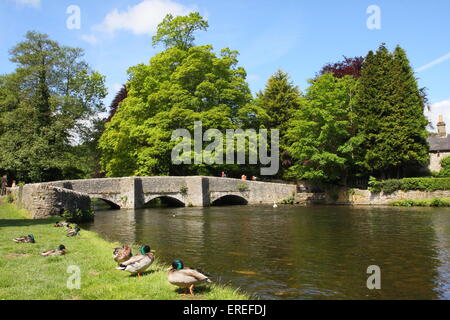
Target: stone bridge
<point>136,192</point>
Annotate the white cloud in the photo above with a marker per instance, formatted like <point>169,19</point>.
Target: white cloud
<point>32,3</point>
<point>142,18</point>
<point>116,87</point>
<point>89,38</point>
<point>437,109</point>
<point>433,63</point>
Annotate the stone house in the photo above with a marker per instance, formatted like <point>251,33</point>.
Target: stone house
<point>439,146</point>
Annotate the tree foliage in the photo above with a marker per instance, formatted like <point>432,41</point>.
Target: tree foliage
<point>276,105</point>
<point>321,134</point>
<point>347,67</point>
<point>45,106</point>
<point>120,96</point>
<point>389,109</point>
<point>179,31</point>
<point>179,86</point>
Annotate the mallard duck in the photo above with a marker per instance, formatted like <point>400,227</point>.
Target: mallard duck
<point>27,239</point>
<point>185,277</point>
<point>123,254</point>
<point>139,263</point>
<point>62,225</point>
<point>60,251</point>
<point>73,233</point>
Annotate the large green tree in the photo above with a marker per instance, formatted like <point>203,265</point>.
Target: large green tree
<point>180,85</point>
<point>321,135</point>
<point>275,106</point>
<point>179,31</point>
<point>389,109</point>
<point>45,106</point>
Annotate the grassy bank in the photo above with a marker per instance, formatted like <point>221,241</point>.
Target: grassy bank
<point>24,274</point>
<point>437,202</point>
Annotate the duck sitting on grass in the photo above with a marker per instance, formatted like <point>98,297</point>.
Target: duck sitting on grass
<point>186,278</point>
<point>60,251</point>
<point>62,225</point>
<point>27,239</point>
<point>73,233</point>
<point>139,263</point>
<point>123,254</point>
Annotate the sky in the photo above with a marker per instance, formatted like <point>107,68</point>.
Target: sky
<point>297,36</point>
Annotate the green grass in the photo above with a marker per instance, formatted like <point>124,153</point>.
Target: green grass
<point>25,275</point>
<point>437,202</point>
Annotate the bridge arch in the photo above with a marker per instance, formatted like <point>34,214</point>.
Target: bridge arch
<point>230,200</point>
<point>165,200</point>
<point>113,205</point>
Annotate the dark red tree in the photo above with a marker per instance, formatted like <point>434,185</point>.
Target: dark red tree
<point>120,96</point>
<point>347,67</point>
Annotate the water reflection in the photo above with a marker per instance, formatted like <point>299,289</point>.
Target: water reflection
<point>299,252</point>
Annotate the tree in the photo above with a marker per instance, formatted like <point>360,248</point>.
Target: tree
<point>321,135</point>
<point>279,99</point>
<point>179,86</point>
<point>120,96</point>
<point>389,107</point>
<point>347,67</point>
<point>45,105</point>
<point>276,105</point>
<point>179,31</point>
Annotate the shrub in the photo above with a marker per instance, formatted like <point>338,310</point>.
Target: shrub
<point>184,190</point>
<point>374,185</point>
<point>9,198</point>
<point>290,200</point>
<point>438,202</point>
<point>79,216</point>
<point>410,184</point>
<point>242,187</point>
<point>445,164</point>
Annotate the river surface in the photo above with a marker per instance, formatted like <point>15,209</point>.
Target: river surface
<point>299,252</point>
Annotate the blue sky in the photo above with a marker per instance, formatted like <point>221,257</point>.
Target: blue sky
<point>297,36</point>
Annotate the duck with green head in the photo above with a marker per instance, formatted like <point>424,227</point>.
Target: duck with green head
<point>139,263</point>
<point>185,277</point>
<point>60,251</point>
<point>27,239</point>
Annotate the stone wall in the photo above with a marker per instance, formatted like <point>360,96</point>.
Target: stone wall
<point>255,192</point>
<point>435,161</point>
<point>306,198</point>
<point>365,197</point>
<point>135,192</point>
<point>43,201</point>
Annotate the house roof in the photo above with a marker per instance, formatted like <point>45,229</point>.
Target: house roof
<point>439,144</point>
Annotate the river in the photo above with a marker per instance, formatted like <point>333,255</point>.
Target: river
<point>319,252</point>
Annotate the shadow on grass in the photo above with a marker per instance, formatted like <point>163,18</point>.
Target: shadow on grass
<point>143,274</point>
<point>197,290</point>
<point>26,222</point>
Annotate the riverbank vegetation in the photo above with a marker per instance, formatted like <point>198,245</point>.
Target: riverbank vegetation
<point>28,276</point>
<point>409,184</point>
<point>358,118</point>
<point>437,202</point>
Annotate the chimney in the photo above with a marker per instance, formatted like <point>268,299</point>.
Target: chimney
<point>442,132</point>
